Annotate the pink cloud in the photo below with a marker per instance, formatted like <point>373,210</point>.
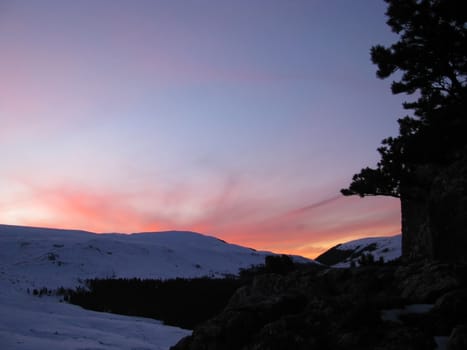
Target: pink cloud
<point>86,208</point>
<point>229,212</point>
<point>311,229</point>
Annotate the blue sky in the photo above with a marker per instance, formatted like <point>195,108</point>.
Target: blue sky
<point>217,116</point>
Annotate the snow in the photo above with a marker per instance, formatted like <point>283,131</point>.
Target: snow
<point>395,314</point>
<point>441,342</point>
<point>37,257</point>
<point>28,322</point>
<point>389,248</point>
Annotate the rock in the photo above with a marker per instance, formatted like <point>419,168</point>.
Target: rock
<point>450,310</point>
<point>281,334</point>
<point>250,317</point>
<point>335,309</point>
<point>458,338</point>
<point>425,282</point>
<point>454,302</point>
<point>262,286</point>
<point>405,338</point>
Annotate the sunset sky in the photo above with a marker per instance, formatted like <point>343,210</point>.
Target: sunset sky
<point>239,119</point>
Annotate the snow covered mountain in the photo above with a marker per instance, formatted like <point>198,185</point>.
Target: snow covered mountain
<point>343,255</point>
<point>38,257</point>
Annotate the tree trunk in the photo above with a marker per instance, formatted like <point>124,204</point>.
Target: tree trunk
<point>448,213</point>
<point>417,241</point>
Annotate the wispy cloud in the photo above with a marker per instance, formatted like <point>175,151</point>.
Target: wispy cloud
<point>226,209</point>
<point>308,208</point>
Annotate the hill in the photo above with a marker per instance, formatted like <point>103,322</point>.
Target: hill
<point>33,258</point>
<point>39,257</point>
<point>349,253</point>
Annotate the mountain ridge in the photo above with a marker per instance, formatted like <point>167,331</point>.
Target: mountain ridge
<point>37,257</point>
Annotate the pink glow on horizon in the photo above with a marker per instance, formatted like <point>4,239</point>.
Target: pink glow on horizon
<point>307,230</point>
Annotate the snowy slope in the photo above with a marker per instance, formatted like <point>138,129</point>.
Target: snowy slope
<point>32,323</point>
<point>37,257</point>
<point>342,255</point>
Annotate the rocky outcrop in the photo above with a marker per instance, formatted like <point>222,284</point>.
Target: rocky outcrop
<point>425,282</point>
<point>458,338</point>
<point>321,308</point>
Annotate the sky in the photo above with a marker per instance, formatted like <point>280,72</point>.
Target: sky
<point>238,119</point>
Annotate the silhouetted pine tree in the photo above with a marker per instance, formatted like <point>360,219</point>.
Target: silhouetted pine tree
<point>418,165</point>
<point>431,54</point>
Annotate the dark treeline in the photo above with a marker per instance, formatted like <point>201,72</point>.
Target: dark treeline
<point>179,302</point>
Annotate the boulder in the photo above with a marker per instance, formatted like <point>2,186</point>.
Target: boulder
<point>458,338</point>
<point>424,282</point>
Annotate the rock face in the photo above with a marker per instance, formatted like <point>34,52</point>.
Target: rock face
<point>321,308</point>
<point>424,282</point>
<point>458,338</point>
<point>434,213</point>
